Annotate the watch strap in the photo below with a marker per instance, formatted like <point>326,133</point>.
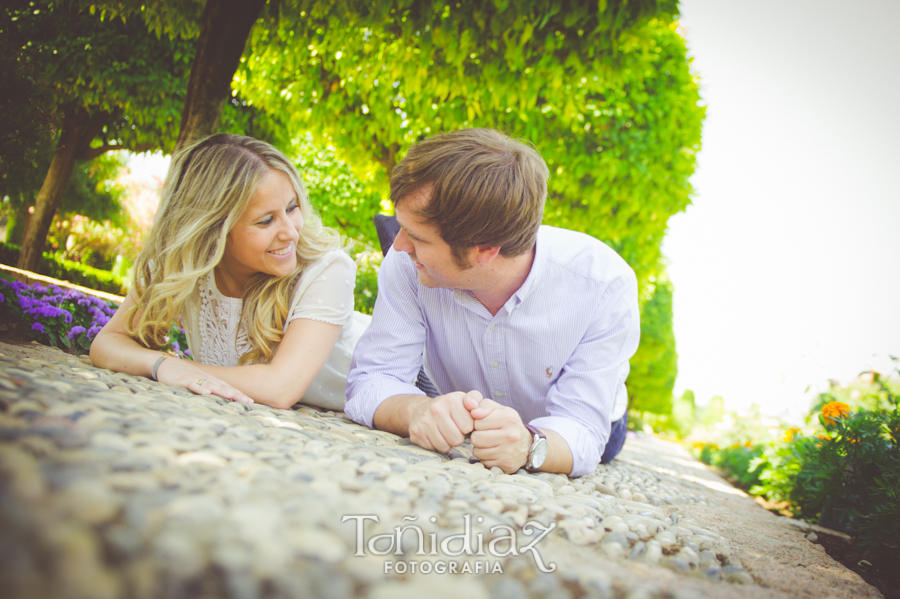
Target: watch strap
<point>534,433</point>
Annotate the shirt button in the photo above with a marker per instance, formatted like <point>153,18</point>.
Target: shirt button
<point>494,364</point>
<point>499,395</point>
<point>492,327</point>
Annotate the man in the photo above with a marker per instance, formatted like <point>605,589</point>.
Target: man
<point>526,330</point>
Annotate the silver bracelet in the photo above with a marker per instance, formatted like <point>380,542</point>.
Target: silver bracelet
<point>159,361</point>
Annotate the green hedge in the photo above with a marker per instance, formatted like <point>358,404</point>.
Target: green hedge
<point>67,270</point>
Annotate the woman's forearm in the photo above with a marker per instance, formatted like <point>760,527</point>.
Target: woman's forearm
<point>282,382</point>
<point>119,352</point>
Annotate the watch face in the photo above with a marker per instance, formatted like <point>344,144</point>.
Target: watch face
<point>539,453</point>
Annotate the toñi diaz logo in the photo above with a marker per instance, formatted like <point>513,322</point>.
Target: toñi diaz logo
<point>503,544</point>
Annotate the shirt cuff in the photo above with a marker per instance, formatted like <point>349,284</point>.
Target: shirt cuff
<point>364,397</point>
<point>586,448</point>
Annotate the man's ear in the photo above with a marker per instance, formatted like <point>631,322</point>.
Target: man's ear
<point>485,253</point>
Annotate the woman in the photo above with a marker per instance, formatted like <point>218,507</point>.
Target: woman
<point>263,290</point>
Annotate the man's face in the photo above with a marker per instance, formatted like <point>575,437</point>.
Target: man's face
<point>431,255</point>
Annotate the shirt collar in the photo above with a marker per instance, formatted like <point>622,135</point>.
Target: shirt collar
<point>466,298</point>
<point>537,269</point>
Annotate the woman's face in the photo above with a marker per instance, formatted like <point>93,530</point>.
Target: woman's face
<point>265,237</point>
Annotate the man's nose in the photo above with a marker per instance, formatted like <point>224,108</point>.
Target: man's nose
<point>402,243</point>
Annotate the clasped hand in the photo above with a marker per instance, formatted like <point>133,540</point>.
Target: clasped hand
<point>498,436</point>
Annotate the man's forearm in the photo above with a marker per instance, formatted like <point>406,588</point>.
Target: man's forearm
<point>559,456</point>
<point>395,413</point>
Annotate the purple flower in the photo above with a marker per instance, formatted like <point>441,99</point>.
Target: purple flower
<point>48,311</point>
<point>175,346</point>
<point>74,331</point>
<point>26,302</point>
<point>2,299</point>
<point>187,352</point>
<point>37,327</point>
<point>38,288</point>
<point>92,332</point>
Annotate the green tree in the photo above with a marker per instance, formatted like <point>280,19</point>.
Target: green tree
<point>655,364</point>
<point>684,411</point>
<point>609,100</point>
<point>219,28</point>
<point>611,104</point>
<point>114,86</point>
<point>27,124</point>
<point>90,192</point>
<point>714,411</point>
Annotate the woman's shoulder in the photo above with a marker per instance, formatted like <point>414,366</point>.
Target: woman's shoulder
<point>334,260</point>
<point>336,267</point>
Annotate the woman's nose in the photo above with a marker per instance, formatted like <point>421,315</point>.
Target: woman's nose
<point>289,231</point>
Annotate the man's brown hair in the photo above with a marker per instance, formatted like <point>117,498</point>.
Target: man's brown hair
<point>486,189</point>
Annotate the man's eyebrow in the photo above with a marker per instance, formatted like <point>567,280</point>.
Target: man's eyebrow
<point>413,235</point>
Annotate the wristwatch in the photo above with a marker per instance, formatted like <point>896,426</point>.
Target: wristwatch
<point>538,451</point>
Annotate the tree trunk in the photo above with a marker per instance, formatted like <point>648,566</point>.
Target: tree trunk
<point>52,190</point>
<point>225,27</point>
<point>78,129</point>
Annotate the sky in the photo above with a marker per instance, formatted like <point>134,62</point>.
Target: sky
<point>786,265</point>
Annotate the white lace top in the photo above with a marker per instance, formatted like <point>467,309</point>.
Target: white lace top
<point>324,292</point>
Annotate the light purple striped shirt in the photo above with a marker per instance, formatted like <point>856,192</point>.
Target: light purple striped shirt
<point>557,351</point>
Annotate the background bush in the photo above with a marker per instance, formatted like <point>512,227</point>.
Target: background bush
<point>57,267</point>
<point>841,468</point>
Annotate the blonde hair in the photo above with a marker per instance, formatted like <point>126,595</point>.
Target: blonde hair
<point>209,185</point>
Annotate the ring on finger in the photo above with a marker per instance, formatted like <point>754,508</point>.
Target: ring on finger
<point>200,381</point>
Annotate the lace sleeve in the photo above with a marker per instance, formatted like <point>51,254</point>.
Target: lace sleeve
<point>328,296</point>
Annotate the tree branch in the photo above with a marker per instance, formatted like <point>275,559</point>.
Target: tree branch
<point>92,153</point>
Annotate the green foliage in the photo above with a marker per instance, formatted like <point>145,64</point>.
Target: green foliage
<point>339,197</point>
<point>677,424</point>
<point>655,364</point>
<point>53,266</point>
<point>26,104</point>
<point>861,394</point>
<point>739,462</point>
<point>847,477</point>
<point>367,266</point>
<point>104,65</point>
<point>842,469</point>
<point>604,92</point>
<point>712,413</point>
<point>683,413</point>
<point>92,192</point>
<point>733,441</point>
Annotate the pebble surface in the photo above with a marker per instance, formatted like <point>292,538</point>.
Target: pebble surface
<point>117,486</point>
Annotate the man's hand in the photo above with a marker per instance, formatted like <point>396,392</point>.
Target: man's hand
<point>443,422</point>
<point>500,437</point>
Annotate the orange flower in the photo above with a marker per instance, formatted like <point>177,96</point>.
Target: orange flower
<point>789,434</point>
<point>833,410</point>
<point>824,437</point>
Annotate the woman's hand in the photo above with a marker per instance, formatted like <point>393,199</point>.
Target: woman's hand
<point>183,373</point>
